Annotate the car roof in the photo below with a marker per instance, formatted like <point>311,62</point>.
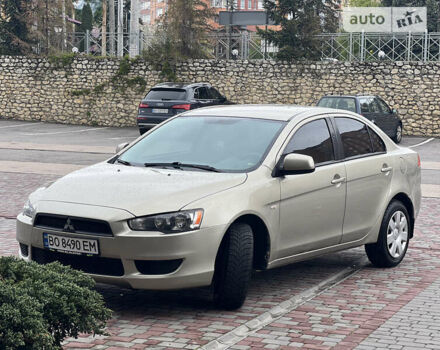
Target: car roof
<point>272,112</point>
<point>171,85</point>
<point>350,96</point>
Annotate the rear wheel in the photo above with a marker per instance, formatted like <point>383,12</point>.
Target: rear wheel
<point>392,243</point>
<point>398,136</point>
<point>234,267</point>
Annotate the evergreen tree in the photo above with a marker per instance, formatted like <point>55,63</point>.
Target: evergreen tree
<point>14,32</point>
<point>300,22</point>
<point>186,23</point>
<point>86,22</point>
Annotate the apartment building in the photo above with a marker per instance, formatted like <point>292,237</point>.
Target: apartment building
<point>152,10</point>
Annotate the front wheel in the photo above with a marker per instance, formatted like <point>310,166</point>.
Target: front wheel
<point>234,267</point>
<point>398,136</point>
<point>392,243</point>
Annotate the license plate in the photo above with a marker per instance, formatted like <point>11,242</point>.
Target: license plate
<point>160,110</point>
<point>70,245</point>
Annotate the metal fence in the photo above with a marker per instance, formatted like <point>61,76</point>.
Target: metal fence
<point>380,46</point>
<point>248,46</point>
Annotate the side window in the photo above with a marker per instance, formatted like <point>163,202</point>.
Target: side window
<point>377,142</point>
<point>374,106</point>
<point>197,94</point>
<point>215,94</point>
<point>365,106</point>
<point>355,137</point>
<point>383,106</point>
<point>203,93</point>
<point>312,139</point>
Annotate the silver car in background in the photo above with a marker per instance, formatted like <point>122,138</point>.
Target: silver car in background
<point>213,193</point>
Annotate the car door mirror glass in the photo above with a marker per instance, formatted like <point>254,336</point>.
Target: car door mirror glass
<point>295,163</point>
<point>394,111</point>
<point>121,146</point>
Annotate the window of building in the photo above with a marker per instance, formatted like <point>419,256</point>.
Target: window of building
<point>355,137</point>
<point>260,4</point>
<point>217,3</point>
<point>146,19</point>
<point>242,4</point>
<point>159,12</point>
<point>312,139</point>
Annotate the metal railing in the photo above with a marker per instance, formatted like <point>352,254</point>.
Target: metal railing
<point>248,45</point>
<point>363,46</point>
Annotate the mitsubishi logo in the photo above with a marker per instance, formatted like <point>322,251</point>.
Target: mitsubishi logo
<point>68,227</point>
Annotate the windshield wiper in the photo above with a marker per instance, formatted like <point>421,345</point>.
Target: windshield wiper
<point>179,165</point>
<point>124,162</point>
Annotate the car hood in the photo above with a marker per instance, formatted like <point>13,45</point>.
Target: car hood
<point>140,191</point>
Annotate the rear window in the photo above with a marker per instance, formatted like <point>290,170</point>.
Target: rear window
<point>345,103</point>
<point>166,94</point>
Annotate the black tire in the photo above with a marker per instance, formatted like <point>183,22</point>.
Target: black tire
<point>378,253</point>
<point>398,135</point>
<point>234,267</point>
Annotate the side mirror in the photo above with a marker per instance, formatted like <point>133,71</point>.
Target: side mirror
<point>121,146</point>
<point>295,163</point>
<point>394,111</point>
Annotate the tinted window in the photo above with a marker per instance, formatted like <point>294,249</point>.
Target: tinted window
<point>369,105</point>
<point>345,103</point>
<point>166,94</point>
<point>365,105</point>
<point>202,94</point>
<point>383,106</point>
<point>215,94</point>
<point>355,137</point>
<point>378,144</point>
<point>313,139</point>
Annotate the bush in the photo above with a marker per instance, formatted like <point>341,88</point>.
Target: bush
<point>41,305</point>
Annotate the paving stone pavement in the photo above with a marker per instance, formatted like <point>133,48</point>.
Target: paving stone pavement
<point>362,311</point>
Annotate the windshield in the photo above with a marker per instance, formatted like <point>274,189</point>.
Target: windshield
<point>224,143</point>
<point>166,94</point>
<point>345,103</point>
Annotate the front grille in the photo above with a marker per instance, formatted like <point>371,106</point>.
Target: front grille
<point>24,249</point>
<point>73,224</point>
<point>88,264</point>
<point>157,267</point>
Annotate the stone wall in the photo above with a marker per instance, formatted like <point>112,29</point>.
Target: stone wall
<point>91,91</point>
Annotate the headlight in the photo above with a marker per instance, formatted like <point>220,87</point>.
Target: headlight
<point>180,221</point>
<point>28,209</point>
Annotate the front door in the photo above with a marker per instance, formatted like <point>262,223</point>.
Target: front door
<point>312,205</point>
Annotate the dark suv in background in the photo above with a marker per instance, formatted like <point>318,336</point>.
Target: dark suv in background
<point>372,108</point>
<point>165,100</point>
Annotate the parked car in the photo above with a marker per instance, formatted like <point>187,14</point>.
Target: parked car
<point>168,99</point>
<point>371,107</point>
<point>213,193</point>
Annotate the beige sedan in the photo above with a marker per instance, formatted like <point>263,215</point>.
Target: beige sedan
<point>211,194</point>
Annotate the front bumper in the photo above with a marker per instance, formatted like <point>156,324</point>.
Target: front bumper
<point>196,250</point>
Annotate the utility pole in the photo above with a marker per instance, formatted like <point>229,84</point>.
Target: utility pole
<point>112,28</point>
<point>134,28</point>
<point>64,25</point>
<point>120,28</point>
<point>104,28</point>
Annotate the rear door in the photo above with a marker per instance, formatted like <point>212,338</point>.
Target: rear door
<point>369,174</point>
<point>203,97</point>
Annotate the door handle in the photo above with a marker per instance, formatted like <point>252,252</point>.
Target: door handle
<point>338,180</point>
<point>386,169</point>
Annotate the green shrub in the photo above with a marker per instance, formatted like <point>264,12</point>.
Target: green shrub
<point>41,305</point>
